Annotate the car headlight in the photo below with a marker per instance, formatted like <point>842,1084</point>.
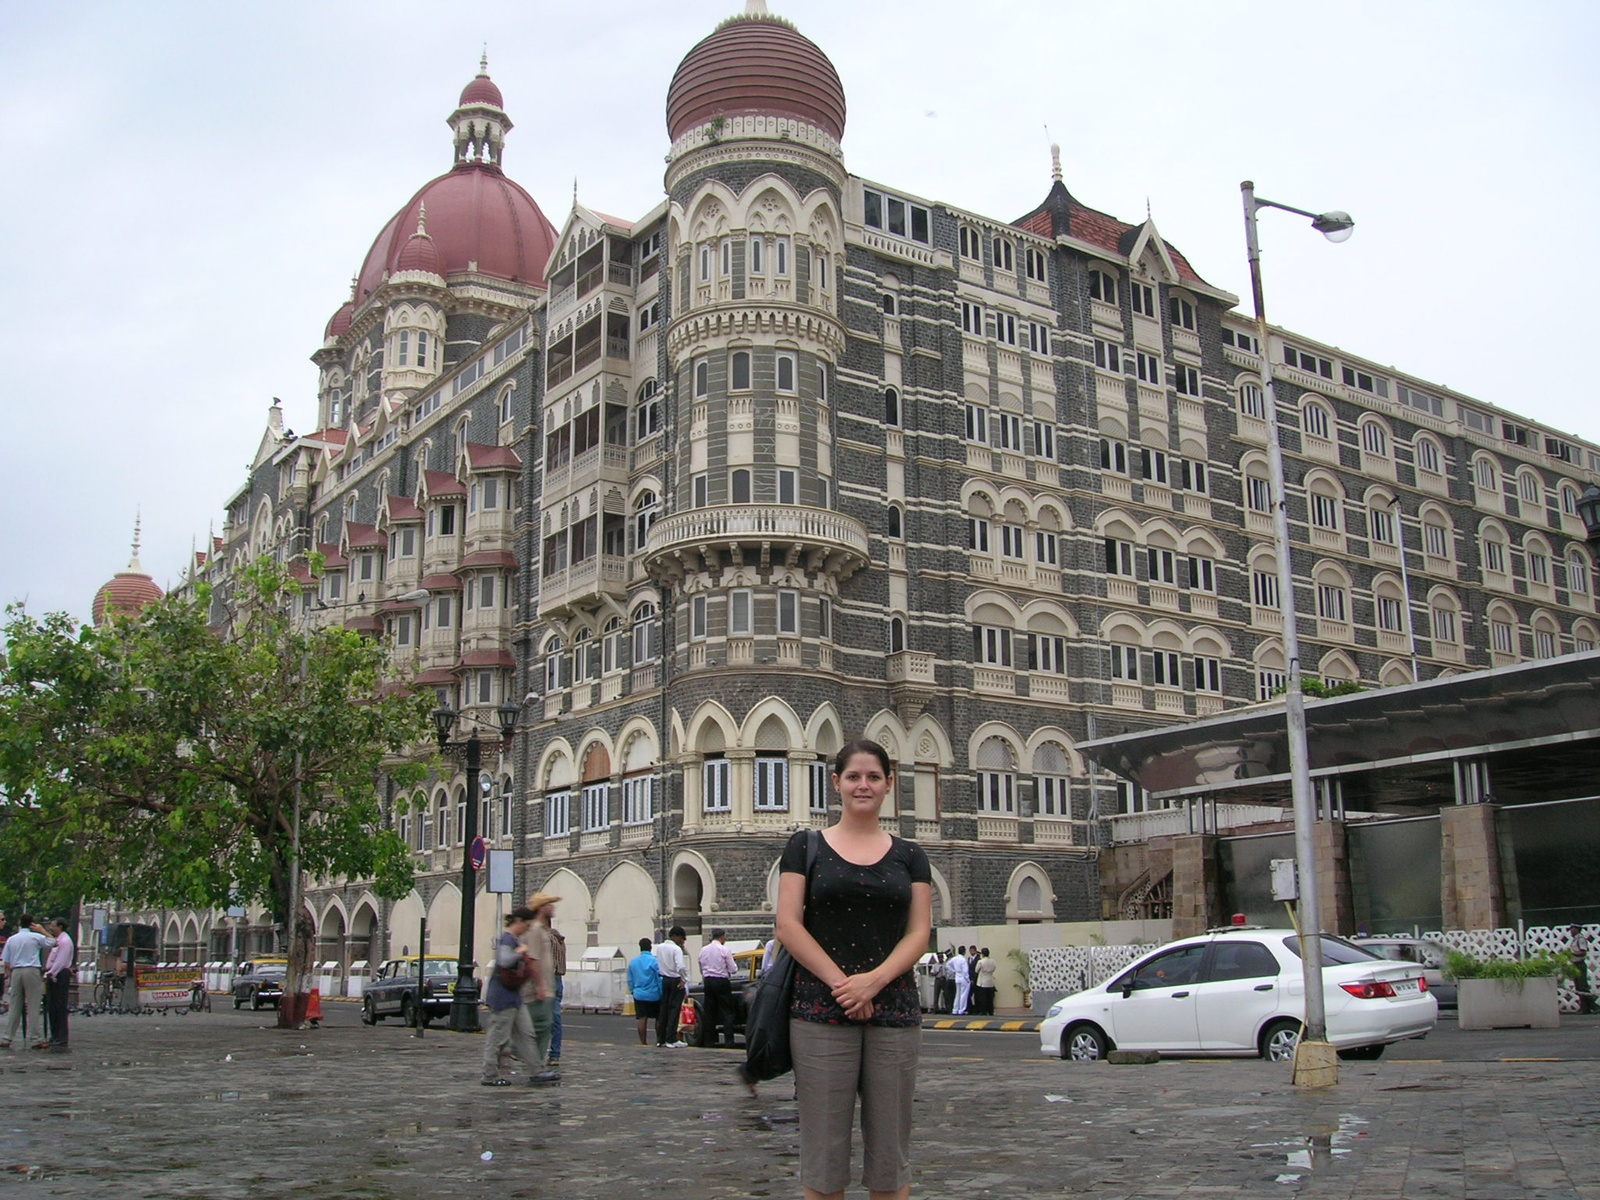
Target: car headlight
<point>1055,1009</point>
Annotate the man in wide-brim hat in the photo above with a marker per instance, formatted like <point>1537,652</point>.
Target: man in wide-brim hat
<point>539,993</point>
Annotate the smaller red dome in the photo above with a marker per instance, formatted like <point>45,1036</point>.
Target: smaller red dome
<point>756,65</point>
<point>339,323</point>
<point>127,594</point>
<point>482,90</point>
<point>420,254</point>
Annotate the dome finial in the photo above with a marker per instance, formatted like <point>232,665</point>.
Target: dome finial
<point>133,561</point>
<point>483,62</point>
<point>1055,161</point>
<point>422,220</point>
<point>756,8</point>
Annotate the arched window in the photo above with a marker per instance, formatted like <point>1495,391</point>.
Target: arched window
<point>611,647</point>
<point>1528,488</point>
<point>645,511</point>
<point>1444,615</point>
<point>1546,636</point>
<point>1485,475</point>
<point>1577,572</point>
<point>897,634</point>
<point>895,527</point>
<point>1375,438</point>
<point>1315,421</point>
<point>740,487</point>
<point>1502,633</point>
<point>891,406</point>
<point>647,411</point>
<point>1429,457</point>
<point>1322,504</point>
<point>1496,558</point>
<point>555,672</point>
<point>582,645</point>
<point>997,777</point>
<point>646,633</point>
<point>1050,771</point>
<point>1251,401</point>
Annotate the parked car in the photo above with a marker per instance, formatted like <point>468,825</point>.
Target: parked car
<point>744,986</point>
<point>392,992</point>
<point>260,982</point>
<point>1428,953</point>
<point>1239,991</point>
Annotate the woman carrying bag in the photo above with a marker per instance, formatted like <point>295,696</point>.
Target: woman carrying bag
<point>856,931</point>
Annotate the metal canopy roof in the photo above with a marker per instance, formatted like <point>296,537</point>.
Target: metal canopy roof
<point>1538,724</point>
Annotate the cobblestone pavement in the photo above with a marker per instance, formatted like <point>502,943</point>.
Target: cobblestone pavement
<point>214,1105</point>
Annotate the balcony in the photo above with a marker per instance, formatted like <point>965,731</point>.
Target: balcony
<point>997,829</point>
<point>996,681</point>
<point>708,538</point>
<point>909,667</point>
<point>597,575</point>
<point>595,466</point>
<point>1170,822</point>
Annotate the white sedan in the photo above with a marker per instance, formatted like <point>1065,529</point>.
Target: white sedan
<point>1240,991</point>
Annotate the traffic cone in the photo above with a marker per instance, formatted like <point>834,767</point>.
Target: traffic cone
<point>314,1007</point>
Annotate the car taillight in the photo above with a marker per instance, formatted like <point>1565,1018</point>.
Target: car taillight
<point>1369,991</point>
<point>1422,983</point>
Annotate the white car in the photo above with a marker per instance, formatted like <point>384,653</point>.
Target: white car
<point>1240,991</point>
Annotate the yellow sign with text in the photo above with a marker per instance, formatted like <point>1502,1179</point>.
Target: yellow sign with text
<point>165,987</point>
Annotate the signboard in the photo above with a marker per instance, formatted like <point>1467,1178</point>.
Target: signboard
<point>500,871</point>
<point>164,987</point>
<point>1285,879</point>
<point>479,849</point>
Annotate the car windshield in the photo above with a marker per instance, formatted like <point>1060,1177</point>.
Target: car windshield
<point>441,968</point>
<point>1335,951</point>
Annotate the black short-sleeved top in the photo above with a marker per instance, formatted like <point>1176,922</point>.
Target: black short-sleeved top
<point>858,915</point>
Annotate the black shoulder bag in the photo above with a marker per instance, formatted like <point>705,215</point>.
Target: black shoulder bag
<point>766,1027</point>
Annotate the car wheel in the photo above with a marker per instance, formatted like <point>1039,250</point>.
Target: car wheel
<point>1279,1039</point>
<point>1084,1043</point>
<point>369,1011</point>
<point>408,1012</point>
<point>1363,1053</point>
<point>238,1002</point>
<point>255,1001</point>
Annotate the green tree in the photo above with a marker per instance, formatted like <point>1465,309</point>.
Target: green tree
<point>158,759</point>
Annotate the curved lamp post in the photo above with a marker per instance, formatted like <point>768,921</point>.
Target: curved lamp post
<point>464,1002</point>
<point>1336,227</point>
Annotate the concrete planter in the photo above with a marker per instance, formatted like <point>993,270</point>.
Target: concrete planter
<point>1508,1004</point>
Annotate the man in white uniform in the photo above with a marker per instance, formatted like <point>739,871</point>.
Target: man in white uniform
<point>963,978</point>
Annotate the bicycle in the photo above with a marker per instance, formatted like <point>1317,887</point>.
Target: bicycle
<point>199,998</point>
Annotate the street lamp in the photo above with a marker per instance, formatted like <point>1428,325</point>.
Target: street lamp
<point>1320,1066</point>
<point>1589,511</point>
<point>464,1003</point>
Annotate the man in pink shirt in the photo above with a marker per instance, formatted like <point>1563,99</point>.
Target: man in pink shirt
<point>58,971</point>
<point>717,968</point>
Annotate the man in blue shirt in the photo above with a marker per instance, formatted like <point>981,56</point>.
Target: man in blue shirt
<point>644,982</point>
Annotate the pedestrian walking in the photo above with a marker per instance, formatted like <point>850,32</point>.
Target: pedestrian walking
<point>539,993</point>
<point>644,984</point>
<point>560,944</point>
<point>717,969</point>
<point>856,928</point>
<point>23,959</point>
<point>669,955</point>
<point>58,971</point>
<point>507,1026</point>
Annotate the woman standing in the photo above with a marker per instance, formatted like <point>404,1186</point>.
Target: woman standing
<point>856,929</point>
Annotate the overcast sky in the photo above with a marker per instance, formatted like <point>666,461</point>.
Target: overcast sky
<point>188,188</point>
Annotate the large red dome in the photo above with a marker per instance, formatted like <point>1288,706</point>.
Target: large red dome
<point>756,65</point>
<point>475,216</point>
<point>128,593</point>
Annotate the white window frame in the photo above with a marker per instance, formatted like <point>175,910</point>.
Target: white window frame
<point>716,794</point>
<point>558,814</point>
<point>771,784</point>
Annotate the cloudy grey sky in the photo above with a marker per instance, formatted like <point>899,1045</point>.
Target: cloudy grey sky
<point>189,186</point>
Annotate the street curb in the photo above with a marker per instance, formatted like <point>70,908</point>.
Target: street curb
<point>988,1026</point>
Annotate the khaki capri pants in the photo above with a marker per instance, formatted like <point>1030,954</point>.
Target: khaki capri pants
<point>832,1065</point>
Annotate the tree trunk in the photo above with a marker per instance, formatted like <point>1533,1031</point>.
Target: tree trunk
<point>297,982</point>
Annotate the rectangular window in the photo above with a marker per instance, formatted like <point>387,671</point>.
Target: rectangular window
<point>1252,403</point>
<point>1544,643</point>
<point>1144,299</point>
<point>1011,541</point>
<point>596,807</point>
<point>1038,338</point>
<point>739,371</point>
<point>977,423</point>
<point>1444,625</point>
<point>1124,662</point>
<point>817,787</point>
<point>1149,367</point>
<point>978,534</point>
<point>1310,363</point>
<point>1202,574</point>
<point>1107,355</point>
<point>1258,494</point>
<point>1103,286</point>
<point>1362,381</point>
<point>895,216</point>
<point>772,784</point>
<point>758,248</point>
<point>705,263</point>
<point>402,631</point>
<point>1005,328</point>
<point>1538,567</point>
<point>1045,548</point>
<point>1324,510</point>
<point>780,255</point>
<point>1119,558</point>
<point>638,800</point>
<point>739,613</point>
<point>788,612</point>
<point>1419,400</point>
<point>715,794</point>
<point>1473,419</point>
<point>1374,440</point>
<point>442,614</point>
<point>1500,637</point>
<point>1239,340</point>
<point>1436,541</point>
<point>1153,464</point>
<point>971,318</point>
<point>786,486</point>
<point>701,491</point>
<point>1033,261</point>
<point>1049,653</point>
<point>991,645</point>
<point>1181,311</point>
<point>1165,671</point>
<point>825,618</point>
<point>1044,440</point>
<point>1161,565</point>
<point>1382,523</point>
<point>1192,472</point>
<point>1330,602</point>
<point>1114,456</point>
<point>786,373</point>
<point>1053,797</point>
<point>1009,426</point>
<point>1264,588</point>
<point>1186,379</point>
<point>1207,674</point>
<point>727,256</point>
<point>1494,557</point>
<point>558,814</point>
<point>997,792</point>
<point>1390,616</point>
<point>697,617</point>
<point>1270,684</point>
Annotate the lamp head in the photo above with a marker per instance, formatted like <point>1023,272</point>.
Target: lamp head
<point>1335,226</point>
<point>507,714</point>
<point>1589,510</point>
<point>444,719</point>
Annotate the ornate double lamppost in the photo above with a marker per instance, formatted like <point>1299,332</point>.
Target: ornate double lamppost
<point>464,1003</point>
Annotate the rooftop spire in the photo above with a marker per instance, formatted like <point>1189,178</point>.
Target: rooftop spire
<point>133,561</point>
<point>422,220</point>
<point>756,8</point>
<point>1055,161</point>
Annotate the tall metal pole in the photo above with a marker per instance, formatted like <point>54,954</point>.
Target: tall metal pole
<point>1310,917</point>
<point>464,1004</point>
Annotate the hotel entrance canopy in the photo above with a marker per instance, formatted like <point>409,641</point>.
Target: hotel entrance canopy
<point>1509,735</point>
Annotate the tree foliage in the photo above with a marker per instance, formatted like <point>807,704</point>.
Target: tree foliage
<point>156,759</point>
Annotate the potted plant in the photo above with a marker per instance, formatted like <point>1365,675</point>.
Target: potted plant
<point>1507,993</point>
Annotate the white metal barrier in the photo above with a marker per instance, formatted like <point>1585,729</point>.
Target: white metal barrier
<point>598,980</point>
<point>355,982</point>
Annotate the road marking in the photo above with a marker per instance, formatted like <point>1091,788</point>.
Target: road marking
<point>1533,1060</point>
